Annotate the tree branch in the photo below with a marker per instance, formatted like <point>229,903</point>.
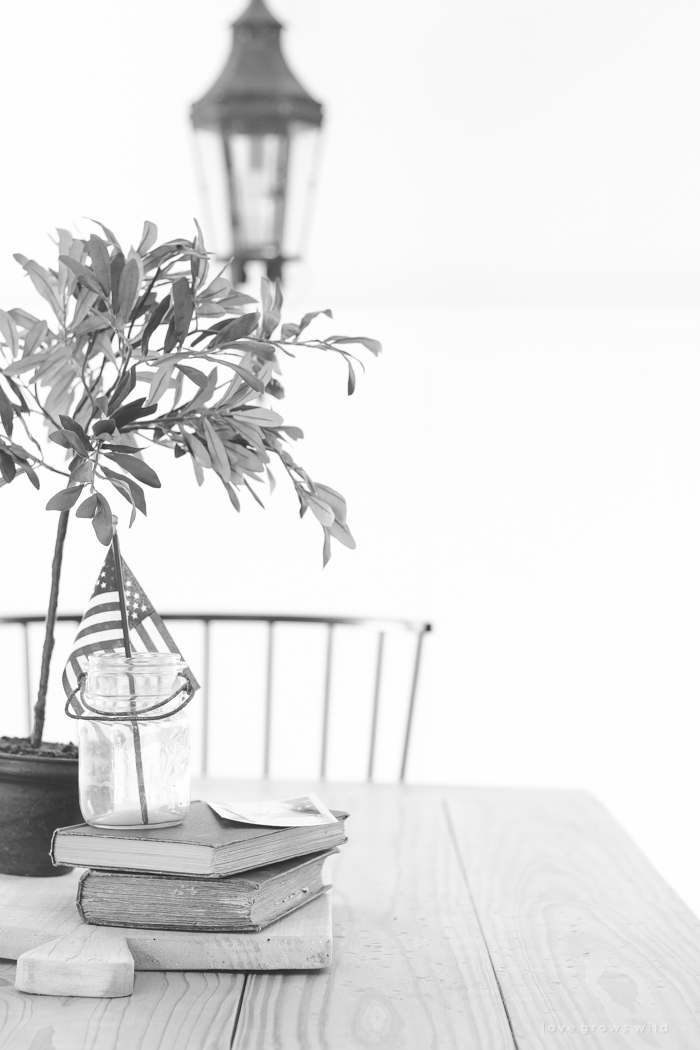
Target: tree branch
<point>40,706</point>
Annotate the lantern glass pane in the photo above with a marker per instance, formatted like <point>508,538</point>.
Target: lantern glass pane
<point>257,171</point>
<point>216,201</point>
<point>302,169</point>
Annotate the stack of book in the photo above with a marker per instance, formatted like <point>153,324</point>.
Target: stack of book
<point>206,874</point>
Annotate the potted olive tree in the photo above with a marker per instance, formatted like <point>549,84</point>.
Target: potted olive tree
<point>143,348</point>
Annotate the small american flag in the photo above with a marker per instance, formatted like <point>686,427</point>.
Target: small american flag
<point>100,629</point>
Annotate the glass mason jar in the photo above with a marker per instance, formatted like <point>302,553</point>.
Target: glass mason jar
<point>134,773</point>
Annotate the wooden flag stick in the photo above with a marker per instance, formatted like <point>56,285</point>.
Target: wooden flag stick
<point>127,651</point>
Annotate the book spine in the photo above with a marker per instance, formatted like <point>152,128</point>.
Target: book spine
<point>52,851</point>
<point>79,896</point>
<point>302,900</point>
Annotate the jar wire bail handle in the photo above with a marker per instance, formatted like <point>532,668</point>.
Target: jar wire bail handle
<point>76,704</point>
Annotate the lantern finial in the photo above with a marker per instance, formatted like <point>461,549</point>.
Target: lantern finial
<point>256,14</point>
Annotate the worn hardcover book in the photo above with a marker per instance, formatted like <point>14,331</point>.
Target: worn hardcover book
<point>241,903</point>
<point>204,845</point>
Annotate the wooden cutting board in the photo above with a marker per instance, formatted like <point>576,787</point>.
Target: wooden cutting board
<point>58,954</point>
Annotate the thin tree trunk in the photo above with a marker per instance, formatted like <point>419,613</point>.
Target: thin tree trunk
<point>40,706</point>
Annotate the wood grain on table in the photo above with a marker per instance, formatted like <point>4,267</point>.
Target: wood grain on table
<point>474,919</point>
<point>583,932</point>
<point>167,1011</point>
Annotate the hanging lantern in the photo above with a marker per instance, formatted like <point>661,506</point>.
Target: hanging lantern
<point>257,131</point>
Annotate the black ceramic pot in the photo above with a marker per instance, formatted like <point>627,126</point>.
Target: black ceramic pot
<point>37,795</point>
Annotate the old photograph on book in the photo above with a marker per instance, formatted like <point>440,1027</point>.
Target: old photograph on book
<point>297,812</point>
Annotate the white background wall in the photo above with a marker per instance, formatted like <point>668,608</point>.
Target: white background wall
<point>509,200</point>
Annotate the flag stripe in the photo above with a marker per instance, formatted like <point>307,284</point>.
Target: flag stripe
<point>101,646</point>
<point>105,609</point>
<point>145,638</point>
<point>112,627</point>
<point>168,639</point>
<point>158,632</point>
<point>103,606</point>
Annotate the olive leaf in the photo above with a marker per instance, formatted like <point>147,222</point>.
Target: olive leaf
<point>8,468</point>
<point>8,330</point>
<point>7,412</point>
<point>108,234</point>
<point>87,508</point>
<point>101,263</point>
<point>116,268</point>
<point>140,470</point>
<point>83,273</point>
<point>217,451</point>
<point>148,237</point>
<point>236,329</point>
<point>129,281</point>
<point>137,495</point>
<point>308,318</point>
<point>34,337</point>
<point>373,345</point>
<point>102,521</point>
<point>160,382</point>
<point>321,510</point>
<point>45,284</point>
<point>183,308</point>
<point>65,499</point>
<point>157,315</point>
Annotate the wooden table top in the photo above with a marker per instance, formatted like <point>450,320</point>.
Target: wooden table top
<point>464,919</point>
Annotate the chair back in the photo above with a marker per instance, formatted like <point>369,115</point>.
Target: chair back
<point>364,673</point>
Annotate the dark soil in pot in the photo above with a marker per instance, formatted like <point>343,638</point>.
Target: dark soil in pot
<point>38,793</point>
<point>21,745</point>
